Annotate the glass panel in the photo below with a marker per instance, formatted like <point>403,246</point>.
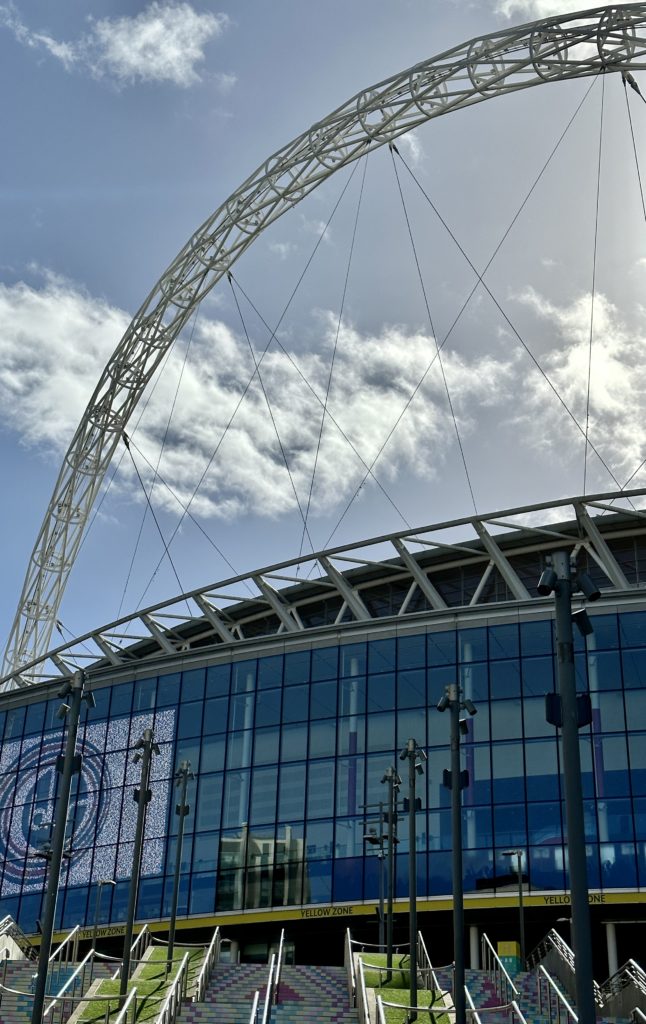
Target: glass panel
<point>632,629</point>
<point>536,637</point>
<point>381,732</point>
<point>320,789</point>
<point>615,766</point>
<point>145,694</point>
<point>634,668</point>
<point>349,785</point>
<point>265,750</point>
<point>411,689</point>
<point>352,735</point>
<point>509,824</point>
<point>472,644</point>
<point>323,699</point>
<point>291,794</point>
<point>236,799</point>
<point>325,663</point>
<point>239,749</point>
<point>209,800</point>
<point>508,772</point>
<point>637,746</point>
<point>263,796</point>
<point>217,680</point>
<point>381,655</point>
<point>270,672</point>
<point>293,742</point>
<point>534,718</point>
<point>317,885</point>
<point>318,839</point>
<point>348,879</point>
<point>216,713</point>
<point>604,670</point>
<point>295,704</point>
<point>297,668</point>
<point>411,651</point>
<point>538,676</point>
<point>504,679</point>
<point>193,684</point>
<point>212,754</point>
<point>442,648</point>
<point>323,738</point>
<point>506,720</point>
<point>618,866</point>
<point>544,823</point>
<point>243,676</point>
<point>349,839</point>
<point>542,770</point>
<point>381,692</point>
<point>352,696</point>
<point>476,827</point>
<point>504,641</point>
<point>268,707</point>
<point>202,894</point>
<point>608,711</point>
<point>474,680</point>
<point>411,724</point>
<point>353,659</point>
<point>241,709</point>
<point>605,631</point>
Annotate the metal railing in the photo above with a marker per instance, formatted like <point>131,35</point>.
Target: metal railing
<point>363,1008</point>
<point>175,995</point>
<point>254,1008</point>
<point>381,1016</point>
<point>512,1009</point>
<point>637,1016</point>
<point>472,1013</point>
<point>123,1015</point>
<point>143,940</point>
<point>348,961</point>
<point>211,958</point>
<point>65,955</point>
<point>494,966</point>
<point>266,1010</point>
<point>552,941</point>
<point>68,991</point>
<point>624,991</point>
<point>278,968</point>
<point>9,927</point>
<point>555,998</point>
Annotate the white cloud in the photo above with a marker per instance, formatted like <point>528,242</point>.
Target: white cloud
<point>164,43</point>
<point>54,340</point>
<point>411,147</point>
<point>536,9</point>
<point>282,249</point>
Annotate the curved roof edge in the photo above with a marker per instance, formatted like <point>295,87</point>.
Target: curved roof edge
<point>479,560</point>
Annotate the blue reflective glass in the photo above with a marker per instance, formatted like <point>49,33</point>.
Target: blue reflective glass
<point>477,868</point>
<point>606,633</point>
<point>317,887</point>
<point>351,737</point>
<point>546,867</point>
<point>193,684</point>
<point>349,785</point>
<point>381,732</point>
<point>202,895</point>
<point>243,676</point>
<point>439,873</point>
<point>509,824</point>
<point>348,879</point>
<point>637,748</point>
<point>239,746</point>
<point>472,644</point>
<point>536,637</point>
<point>534,718</point>
<point>14,722</point>
<point>634,668</point>
<point>189,722</point>
<point>235,807</point>
<point>205,852</point>
<point>263,796</point>
<point>352,696</point>
<point>212,754</point>
<point>323,699</point>
<point>618,866</point>
<point>381,692</point>
<point>208,802</point>
<point>474,680</point>
<point>348,837</point>
<point>145,694</point>
<point>508,772</point>
<point>293,746</point>
<point>538,676</point>
<point>632,629</point>
<point>319,840</point>
<point>639,811</point>
<point>411,724</point>
<point>297,668</point>
<point>354,659</point>
<point>265,746</point>
<point>476,827</point>
<point>323,738</point>
<point>296,703</point>
<point>411,689</point>
<point>381,655</point>
<point>121,702</point>
<point>325,663</point>
<point>504,641</point>
<point>270,672</point>
<point>611,766</point>
<point>504,679</point>
<point>268,705</point>
<point>217,680</point>
<point>441,648</point>
<point>320,789</point>
<point>542,770</point>
<point>608,710</point>
<point>604,670</point>
<point>506,721</point>
<point>544,823</point>
<point>241,709</point>
<point>411,651</point>
<point>291,793</point>
<point>216,713</point>
<point>149,897</point>
<point>168,689</point>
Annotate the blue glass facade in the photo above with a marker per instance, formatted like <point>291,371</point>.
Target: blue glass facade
<point>288,748</point>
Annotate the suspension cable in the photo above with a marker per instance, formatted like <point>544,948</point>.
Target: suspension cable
<point>242,396</point>
<point>593,289</point>
<point>271,416</point>
<point>393,149</point>
<point>152,512</point>
<point>334,351</point>
<point>159,458</point>
<point>510,324</point>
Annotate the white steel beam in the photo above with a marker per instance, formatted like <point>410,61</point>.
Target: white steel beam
<point>348,593</point>
<point>604,555</point>
<point>431,594</point>
<point>277,604</point>
<point>517,587</point>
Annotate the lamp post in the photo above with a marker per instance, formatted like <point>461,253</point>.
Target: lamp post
<point>182,775</point>
<point>415,757</point>
<point>518,854</point>
<point>456,780</point>
<point>569,711</point>
<point>145,747</point>
<point>67,764</point>
<point>393,781</point>
<point>371,836</point>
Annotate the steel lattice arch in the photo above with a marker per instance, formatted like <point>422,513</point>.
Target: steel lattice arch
<point>591,42</point>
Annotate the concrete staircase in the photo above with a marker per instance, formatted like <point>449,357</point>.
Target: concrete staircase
<point>313,994</point>
<point>229,996</point>
<point>16,1008</point>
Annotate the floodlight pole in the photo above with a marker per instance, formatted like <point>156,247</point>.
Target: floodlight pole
<point>459,1001</point>
<point>577,866</point>
<point>392,779</point>
<point>412,753</point>
<point>67,764</point>
<point>144,748</point>
<point>183,774</point>
<point>518,854</point>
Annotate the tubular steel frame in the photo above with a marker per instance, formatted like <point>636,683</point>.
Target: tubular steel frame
<point>610,38</point>
<point>221,615</point>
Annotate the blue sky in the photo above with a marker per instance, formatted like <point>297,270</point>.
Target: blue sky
<point>126,125</point>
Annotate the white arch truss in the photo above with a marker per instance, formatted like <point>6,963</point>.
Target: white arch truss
<point>610,38</point>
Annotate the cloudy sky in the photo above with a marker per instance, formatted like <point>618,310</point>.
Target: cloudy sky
<point>126,124</point>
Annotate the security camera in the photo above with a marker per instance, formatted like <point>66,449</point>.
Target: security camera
<point>581,620</point>
<point>443,703</point>
<point>586,585</point>
<point>547,582</point>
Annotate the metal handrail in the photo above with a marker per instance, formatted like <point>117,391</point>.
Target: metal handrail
<point>377,945</point>
<point>279,966</point>
<point>561,1000</point>
<point>71,982</point>
<point>511,1006</point>
<point>123,1014</point>
<point>349,967</point>
<point>471,1008</point>
<point>551,941</point>
<point>211,957</point>
<point>488,952</point>
<point>381,1016</point>
<point>629,973</point>
<point>637,1016</point>
<point>175,995</point>
<point>363,1010</point>
<point>267,1007</point>
<point>424,964</point>
<point>72,935</point>
<point>254,1008</point>
<point>140,938</point>
<point>9,927</point>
